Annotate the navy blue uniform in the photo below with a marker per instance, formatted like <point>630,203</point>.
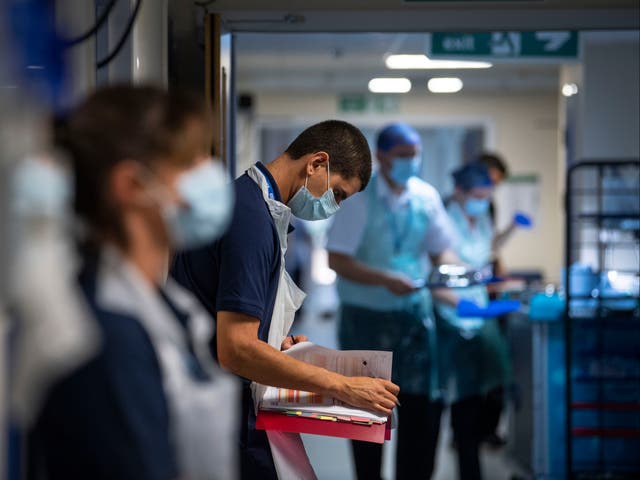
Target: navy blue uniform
<point>109,418</point>
<point>240,273</point>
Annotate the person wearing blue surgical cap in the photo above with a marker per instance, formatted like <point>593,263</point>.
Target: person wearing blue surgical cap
<point>380,246</point>
<point>473,354</point>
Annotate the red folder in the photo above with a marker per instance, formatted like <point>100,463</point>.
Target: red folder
<point>375,433</point>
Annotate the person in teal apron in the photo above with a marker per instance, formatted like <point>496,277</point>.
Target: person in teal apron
<point>473,354</point>
<point>381,246</point>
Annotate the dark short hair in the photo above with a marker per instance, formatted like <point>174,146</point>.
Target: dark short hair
<point>493,160</point>
<point>348,150</point>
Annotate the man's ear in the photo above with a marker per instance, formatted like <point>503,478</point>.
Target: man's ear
<point>125,184</point>
<point>317,160</point>
<point>384,160</point>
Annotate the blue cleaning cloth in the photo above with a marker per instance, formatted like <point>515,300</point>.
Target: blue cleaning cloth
<point>495,308</point>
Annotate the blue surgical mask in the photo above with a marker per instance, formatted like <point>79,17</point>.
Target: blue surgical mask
<point>307,207</point>
<point>474,207</point>
<point>402,169</point>
<point>208,198</point>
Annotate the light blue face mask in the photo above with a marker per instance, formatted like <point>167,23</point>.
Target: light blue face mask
<point>307,207</point>
<point>208,200</point>
<point>475,207</point>
<point>402,169</point>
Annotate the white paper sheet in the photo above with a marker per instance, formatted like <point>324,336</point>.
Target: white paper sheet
<point>351,363</point>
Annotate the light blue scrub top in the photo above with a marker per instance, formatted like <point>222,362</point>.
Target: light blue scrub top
<point>473,353</point>
<point>392,241</point>
<point>473,247</point>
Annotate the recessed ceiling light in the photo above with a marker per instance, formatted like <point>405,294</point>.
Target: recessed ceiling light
<point>402,62</point>
<point>389,85</point>
<point>444,85</point>
<point>569,89</point>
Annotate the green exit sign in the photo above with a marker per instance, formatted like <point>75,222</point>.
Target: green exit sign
<point>361,103</point>
<point>554,44</point>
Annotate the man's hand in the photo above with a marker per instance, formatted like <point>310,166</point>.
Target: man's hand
<point>240,351</point>
<point>399,284</point>
<point>289,342</point>
<point>369,393</point>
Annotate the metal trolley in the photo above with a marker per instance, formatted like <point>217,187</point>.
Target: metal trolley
<point>602,320</point>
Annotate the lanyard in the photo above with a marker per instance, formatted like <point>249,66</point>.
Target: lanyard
<point>272,195</point>
<point>270,190</point>
<point>397,234</point>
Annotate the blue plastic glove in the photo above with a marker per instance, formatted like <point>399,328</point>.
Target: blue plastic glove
<point>496,308</point>
<point>493,280</point>
<point>522,220</point>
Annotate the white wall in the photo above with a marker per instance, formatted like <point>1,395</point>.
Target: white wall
<point>610,99</point>
<point>523,127</point>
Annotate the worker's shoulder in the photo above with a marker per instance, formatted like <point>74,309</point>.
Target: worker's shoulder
<point>251,222</point>
<point>121,330</point>
<point>419,187</point>
<point>249,200</point>
<point>247,191</point>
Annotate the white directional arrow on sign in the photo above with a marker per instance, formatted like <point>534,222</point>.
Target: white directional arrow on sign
<point>554,40</point>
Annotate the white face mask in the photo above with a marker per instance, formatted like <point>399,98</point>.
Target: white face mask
<point>307,207</point>
<point>208,198</point>
<point>41,187</point>
<point>475,207</point>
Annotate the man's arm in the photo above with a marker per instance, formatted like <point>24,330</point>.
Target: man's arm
<point>241,352</point>
<point>501,238</point>
<point>350,268</point>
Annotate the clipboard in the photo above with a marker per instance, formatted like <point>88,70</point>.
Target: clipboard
<point>375,433</point>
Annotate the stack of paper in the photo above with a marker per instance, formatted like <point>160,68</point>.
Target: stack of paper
<point>293,410</point>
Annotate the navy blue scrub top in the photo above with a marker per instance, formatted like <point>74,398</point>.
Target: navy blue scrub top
<point>240,271</point>
<point>109,418</point>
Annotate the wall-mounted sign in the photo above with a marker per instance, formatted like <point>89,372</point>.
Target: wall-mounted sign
<point>361,103</point>
<point>505,44</point>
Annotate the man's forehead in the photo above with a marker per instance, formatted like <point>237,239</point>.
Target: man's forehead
<point>404,149</point>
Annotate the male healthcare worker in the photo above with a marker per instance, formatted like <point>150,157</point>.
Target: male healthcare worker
<point>380,245</point>
<point>473,353</point>
<point>241,279</point>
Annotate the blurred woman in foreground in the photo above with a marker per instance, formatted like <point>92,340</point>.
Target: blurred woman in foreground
<point>148,405</point>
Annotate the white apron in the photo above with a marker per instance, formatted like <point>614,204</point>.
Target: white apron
<point>203,414</point>
<point>289,456</point>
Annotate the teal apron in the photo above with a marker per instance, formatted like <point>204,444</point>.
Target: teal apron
<point>372,317</point>
<point>473,353</point>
